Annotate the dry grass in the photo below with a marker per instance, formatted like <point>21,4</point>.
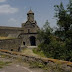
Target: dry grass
<point>29,52</point>
<point>1,38</point>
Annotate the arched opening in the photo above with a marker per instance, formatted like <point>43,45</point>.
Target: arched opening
<point>11,49</point>
<point>33,41</point>
<point>23,43</point>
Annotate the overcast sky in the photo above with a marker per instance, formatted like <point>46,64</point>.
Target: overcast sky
<point>14,12</point>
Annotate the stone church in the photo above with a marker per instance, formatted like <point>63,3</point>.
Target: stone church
<point>28,31</point>
<point>30,28</point>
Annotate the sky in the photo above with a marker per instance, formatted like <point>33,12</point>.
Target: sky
<point>14,12</point>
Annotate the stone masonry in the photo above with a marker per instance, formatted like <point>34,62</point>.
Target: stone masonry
<point>28,32</point>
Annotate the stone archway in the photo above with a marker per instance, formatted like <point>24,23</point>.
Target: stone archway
<point>23,43</point>
<point>11,49</point>
<point>33,41</point>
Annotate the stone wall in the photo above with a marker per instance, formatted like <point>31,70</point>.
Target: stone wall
<point>11,44</point>
<point>10,31</point>
<point>26,38</point>
<point>30,27</point>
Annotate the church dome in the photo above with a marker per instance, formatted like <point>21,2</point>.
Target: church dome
<point>30,12</point>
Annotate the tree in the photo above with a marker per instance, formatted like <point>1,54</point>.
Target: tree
<point>44,33</point>
<point>69,8</point>
<point>63,19</point>
<point>50,45</point>
<point>58,45</point>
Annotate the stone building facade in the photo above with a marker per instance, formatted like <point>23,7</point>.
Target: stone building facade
<point>27,32</point>
<point>30,28</point>
<point>11,44</point>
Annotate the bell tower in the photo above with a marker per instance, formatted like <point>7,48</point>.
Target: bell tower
<point>30,16</point>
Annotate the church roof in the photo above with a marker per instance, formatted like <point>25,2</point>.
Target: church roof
<point>30,11</point>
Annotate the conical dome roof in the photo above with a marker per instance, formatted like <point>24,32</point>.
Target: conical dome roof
<point>30,12</point>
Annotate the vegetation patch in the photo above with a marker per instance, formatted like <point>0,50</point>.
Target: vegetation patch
<point>51,67</point>
<point>57,43</point>
<point>36,65</point>
<point>2,64</point>
<point>39,52</point>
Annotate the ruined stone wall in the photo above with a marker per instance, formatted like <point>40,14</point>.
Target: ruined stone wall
<point>10,31</point>
<point>6,32</point>
<point>11,44</point>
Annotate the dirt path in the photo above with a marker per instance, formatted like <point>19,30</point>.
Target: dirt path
<point>29,52</point>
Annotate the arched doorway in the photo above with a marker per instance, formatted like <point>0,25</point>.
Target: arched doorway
<point>33,41</point>
<point>23,43</point>
<point>11,49</point>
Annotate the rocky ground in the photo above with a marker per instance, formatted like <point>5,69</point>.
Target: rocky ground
<point>16,66</point>
<point>10,64</point>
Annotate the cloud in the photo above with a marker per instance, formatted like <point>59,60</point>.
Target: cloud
<point>12,20</point>
<point>2,0</point>
<point>6,9</point>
